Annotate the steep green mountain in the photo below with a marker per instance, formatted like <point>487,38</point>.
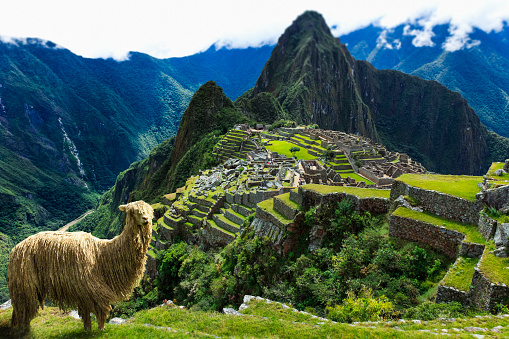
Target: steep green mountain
<point>316,80</point>
<point>311,76</point>
<point>479,71</point>
<point>209,115</point>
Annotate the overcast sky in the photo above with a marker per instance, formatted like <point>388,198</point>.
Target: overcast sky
<point>168,28</point>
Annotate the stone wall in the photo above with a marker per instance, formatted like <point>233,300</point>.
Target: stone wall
<point>151,267</point>
<point>471,250</point>
<point>295,196</point>
<point>266,216</point>
<point>311,198</point>
<point>216,207</point>
<point>496,197</point>
<point>446,294</point>
<point>252,198</point>
<point>214,237</point>
<point>487,226</point>
<point>441,204</point>
<point>284,209</point>
<point>485,294</point>
<point>445,240</point>
<point>374,178</point>
<point>264,228</point>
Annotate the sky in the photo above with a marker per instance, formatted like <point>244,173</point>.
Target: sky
<point>169,28</point>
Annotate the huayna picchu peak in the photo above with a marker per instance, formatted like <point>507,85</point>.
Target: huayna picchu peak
<point>316,80</point>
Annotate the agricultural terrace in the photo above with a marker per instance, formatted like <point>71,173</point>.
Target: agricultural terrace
<point>461,273</point>
<point>491,173</point>
<point>493,267</point>
<point>359,192</point>
<point>471,232</point>
<point>461,186</point>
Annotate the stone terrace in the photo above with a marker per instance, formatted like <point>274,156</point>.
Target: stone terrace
<point>460,229</point>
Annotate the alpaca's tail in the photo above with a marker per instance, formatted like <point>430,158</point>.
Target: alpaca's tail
<point>22,290</point>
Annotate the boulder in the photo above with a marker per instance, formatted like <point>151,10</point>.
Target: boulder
<point>231,311</point>
<point>506,166</point>
<point>500,172</point>
<point>501,235</point>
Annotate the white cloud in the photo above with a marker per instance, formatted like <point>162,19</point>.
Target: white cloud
<point>423,38</point>
<point>164,28</point>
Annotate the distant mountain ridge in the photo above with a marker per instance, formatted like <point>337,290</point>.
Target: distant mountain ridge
<point>479,71</point>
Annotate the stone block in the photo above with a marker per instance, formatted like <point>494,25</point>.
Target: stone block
<point>501,235</point>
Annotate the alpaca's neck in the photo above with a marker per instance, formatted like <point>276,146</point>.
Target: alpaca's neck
<point>124,258</point>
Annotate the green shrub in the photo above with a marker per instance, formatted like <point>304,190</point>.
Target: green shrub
<point>429,310</point>
<point>169,263</point>
<point>361,308</point>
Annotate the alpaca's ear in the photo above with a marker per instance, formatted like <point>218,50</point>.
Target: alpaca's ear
<point>122,207</point>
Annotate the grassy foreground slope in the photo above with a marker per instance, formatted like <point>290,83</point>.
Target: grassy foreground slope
<point>264,320</point>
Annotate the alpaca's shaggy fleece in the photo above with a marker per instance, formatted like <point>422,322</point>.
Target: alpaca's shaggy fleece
<point>78,270</point>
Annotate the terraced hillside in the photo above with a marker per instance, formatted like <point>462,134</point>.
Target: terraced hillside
<point>449,214</point>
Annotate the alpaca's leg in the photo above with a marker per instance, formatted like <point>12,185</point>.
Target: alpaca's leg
<point>85,316</point>
<point>24,308</point>
<point>101,315</point>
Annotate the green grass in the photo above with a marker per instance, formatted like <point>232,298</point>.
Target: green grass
<point>356,177</point>
<point>470,231</point>
<point>286,199</point>
<point>359,192</point>
<point>151,253</point>
<point>461,273</point>
<point>283,147</point>
<point>491,172</point>
<point>161,223</point>
<point>344,171</point>
<point>302,136</point>
<point>268,206</point>
<point>462,186</point>
<point>264,321</point>
<point>339,163</point>
<point>494,268</point>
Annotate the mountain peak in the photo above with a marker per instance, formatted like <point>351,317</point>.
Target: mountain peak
<point>310,24</point>
<point>310,20</point>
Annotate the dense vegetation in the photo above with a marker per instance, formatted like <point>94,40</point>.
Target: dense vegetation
<point>356,258</point>
<point>113,113</point>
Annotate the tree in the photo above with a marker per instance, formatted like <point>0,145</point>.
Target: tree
<point>329,154</point>
<point>294,150</point>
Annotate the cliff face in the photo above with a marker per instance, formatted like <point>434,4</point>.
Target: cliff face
<point>316,80</point>
<point>425,119</point>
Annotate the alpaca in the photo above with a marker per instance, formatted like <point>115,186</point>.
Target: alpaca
<point>78,270</point>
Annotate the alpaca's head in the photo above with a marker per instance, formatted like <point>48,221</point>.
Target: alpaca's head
<point>139,212</point>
